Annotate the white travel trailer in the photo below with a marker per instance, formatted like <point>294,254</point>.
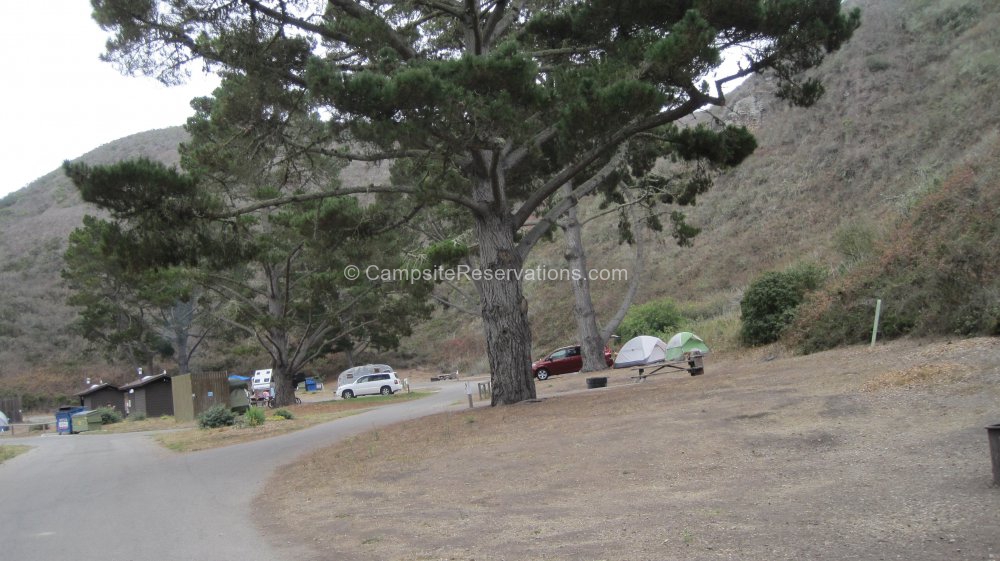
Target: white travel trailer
<point>261,380</point>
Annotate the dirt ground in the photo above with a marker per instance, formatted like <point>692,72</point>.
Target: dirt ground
<point>848,454</point>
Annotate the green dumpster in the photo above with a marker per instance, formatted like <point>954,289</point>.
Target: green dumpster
<point>87,420</point>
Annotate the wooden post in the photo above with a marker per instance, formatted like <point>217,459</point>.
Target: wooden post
<point>468,392</point>
<point>878,311</point>
<point>485,391</point>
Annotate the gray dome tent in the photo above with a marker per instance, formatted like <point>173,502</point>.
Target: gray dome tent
<point>640,351</point>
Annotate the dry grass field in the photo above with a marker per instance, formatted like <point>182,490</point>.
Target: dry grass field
<point>856,453</point>
<point>9,451</point>
<point>304,415</point>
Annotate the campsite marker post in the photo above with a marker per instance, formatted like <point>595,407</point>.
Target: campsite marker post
<point>878,311</point>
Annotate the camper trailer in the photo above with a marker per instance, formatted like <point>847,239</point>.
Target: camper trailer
<point>262,380</point>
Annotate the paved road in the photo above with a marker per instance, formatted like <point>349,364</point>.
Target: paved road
<point>121,497</point>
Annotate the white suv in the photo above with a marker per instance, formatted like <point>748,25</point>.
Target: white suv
<point>385,383</point>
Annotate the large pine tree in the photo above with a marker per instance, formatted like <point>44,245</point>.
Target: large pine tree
<point>489,105</point>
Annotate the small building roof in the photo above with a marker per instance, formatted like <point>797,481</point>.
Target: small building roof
<point>95,388</point>
<point>145,381</point>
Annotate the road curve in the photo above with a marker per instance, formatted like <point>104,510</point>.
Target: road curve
<point>121,497</point>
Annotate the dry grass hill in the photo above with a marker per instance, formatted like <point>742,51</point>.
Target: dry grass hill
<point>910,105</point>
<point>910,101</point>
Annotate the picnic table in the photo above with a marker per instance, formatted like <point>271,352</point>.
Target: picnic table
<point>692,362</point>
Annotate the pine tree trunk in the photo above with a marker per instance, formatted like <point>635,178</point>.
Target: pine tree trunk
<point>504,310</point>
<point>281,374</point>
<point>633,279</point>
<point>591,343</point>
<point>278,338</point>
<point>180,325</point>
<point>283,388</point>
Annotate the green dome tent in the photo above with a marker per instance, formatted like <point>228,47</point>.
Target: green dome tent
<point>684,342</point>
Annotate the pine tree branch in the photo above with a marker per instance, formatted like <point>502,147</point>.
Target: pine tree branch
<point>451,8</point>
<point>472,25</point>
<point>357,11</point>
<point>628,204</point>
<point>587,187</point>
<point>283,17</point>
<point>569,172</point>
<point>496,15</point>
<point>451,304</point>
<point>472,205</point>
<point>404,220</point>
<point>501,19</point>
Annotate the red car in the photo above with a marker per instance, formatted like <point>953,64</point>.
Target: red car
<point>563,361</point>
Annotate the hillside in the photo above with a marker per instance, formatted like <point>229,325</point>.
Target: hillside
<point>907,100</point>
<point>34,225</point>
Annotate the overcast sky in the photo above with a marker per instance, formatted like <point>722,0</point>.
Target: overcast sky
<point>60,101</point>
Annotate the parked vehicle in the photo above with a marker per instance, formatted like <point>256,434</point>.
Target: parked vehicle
<point>384,383</point>
<point>563,361</point>
<point>4,422</point>
<point>263,391</point>
<point>351,374</point>
<point>261,379</point>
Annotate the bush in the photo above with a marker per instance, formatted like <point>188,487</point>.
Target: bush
<point>216,416</point>
<point>937,271</point>
<point>138,416</point>
<point>659,318</point>
<point>877,64</point>
<point>770,302</point>
<point>284,414</point>
<point>855,242</point>
<point>255,417</point>
<point>109,415</point>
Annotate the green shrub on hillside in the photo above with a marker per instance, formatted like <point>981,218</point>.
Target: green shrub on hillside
<point>855,241</point>
<point>659,318</point>
<point>938,274</point>
<point>770,303</point>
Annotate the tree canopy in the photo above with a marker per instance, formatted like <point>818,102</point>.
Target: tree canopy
<point>279,270</point>
<point>489,105</point>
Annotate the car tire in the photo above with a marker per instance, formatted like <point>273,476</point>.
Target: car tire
<point>348,394</point>
<point>542,374</point>
<point>386,390</point>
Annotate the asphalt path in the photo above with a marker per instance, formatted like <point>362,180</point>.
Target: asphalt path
<point>122,497</point>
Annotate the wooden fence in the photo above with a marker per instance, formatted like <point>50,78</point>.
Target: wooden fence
<point>11,406</point>
<point>195,393</point>
<point>209,388</point>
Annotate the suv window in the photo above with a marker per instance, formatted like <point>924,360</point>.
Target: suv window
<point>362,379</point>
<point>380,377</point>
<point>558,354</point>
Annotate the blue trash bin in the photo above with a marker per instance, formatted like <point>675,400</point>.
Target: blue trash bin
<point>64,418</point>
<point>310,384</point>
